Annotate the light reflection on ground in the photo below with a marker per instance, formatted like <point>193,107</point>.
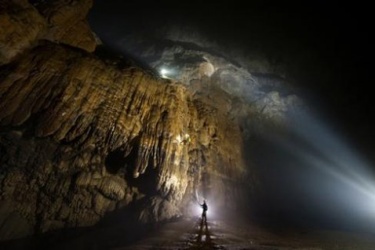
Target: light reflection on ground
<point>193,234</point>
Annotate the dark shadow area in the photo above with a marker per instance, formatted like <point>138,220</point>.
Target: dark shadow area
<point>121,59</point>
<point>119,228</point>
<point>115,160</point>
<point>146,182</point>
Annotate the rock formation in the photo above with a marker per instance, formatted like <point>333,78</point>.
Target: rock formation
<point>82,136</point>
<point>23,25</point>
<point>253,88</point>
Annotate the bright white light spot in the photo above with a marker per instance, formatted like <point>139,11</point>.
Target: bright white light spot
<point>182,139</point>
<point>187,137</point>
<point>198,210</point>
<point>164,72</point>
<point>178,139</point>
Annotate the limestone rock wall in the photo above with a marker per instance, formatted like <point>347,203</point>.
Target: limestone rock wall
<point>67,22</point>
<point>22,25</point>
<point>82,137</point>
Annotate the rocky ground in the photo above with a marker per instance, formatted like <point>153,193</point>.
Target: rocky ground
<point>191,233</point>
<point>221,234</point>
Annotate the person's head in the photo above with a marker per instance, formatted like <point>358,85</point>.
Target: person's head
<point>204,201</point>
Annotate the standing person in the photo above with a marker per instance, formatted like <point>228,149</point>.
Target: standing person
<point>204,213</point>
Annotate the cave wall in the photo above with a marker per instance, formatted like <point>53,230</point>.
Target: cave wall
<point>82,136</point>
<point>23,24</point>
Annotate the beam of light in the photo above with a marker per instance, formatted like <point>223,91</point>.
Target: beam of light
<point>342,161</point>
<point>350,185</point>
<point>340,172</point>
<point>323,149</point>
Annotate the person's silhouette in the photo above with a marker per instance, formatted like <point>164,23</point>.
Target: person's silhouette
<point>204,213</point>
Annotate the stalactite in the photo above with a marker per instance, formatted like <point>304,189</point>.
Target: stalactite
<point>65,112</point>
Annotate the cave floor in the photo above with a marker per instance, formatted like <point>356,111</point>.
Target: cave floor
<point>193,234</point>
<point>217,234</point>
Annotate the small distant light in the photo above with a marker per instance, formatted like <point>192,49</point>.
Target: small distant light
<point>164,72</point>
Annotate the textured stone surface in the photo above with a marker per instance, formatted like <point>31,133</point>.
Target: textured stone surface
<point>84,136</point>
<point>255,90</point>
<point>23,25</point>
<point>67,22</point>
<point>81,137</point>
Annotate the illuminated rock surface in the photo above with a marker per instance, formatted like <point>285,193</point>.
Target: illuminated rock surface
<point>251,88</point>
<point>83,137</point>
<point>96,150</point>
